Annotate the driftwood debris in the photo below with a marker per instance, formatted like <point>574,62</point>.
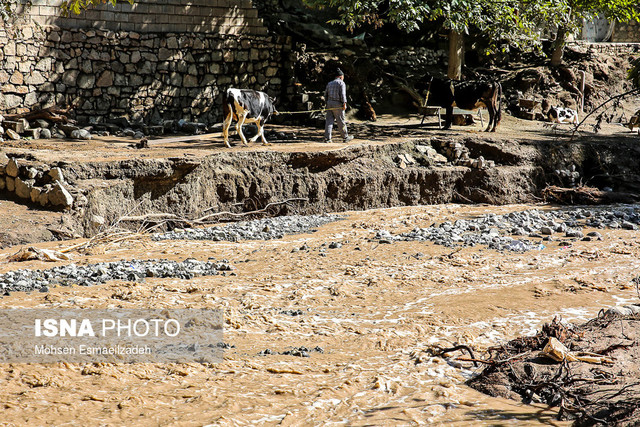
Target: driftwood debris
<point>53,114</point>
<point>116,233</point>
<point>599,388</point>
<point>586,196</point>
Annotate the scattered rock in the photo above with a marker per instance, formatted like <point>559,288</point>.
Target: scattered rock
<point>493,230</point>
<point>13,168</point>
<point>56,175</point>
<point>59,196</point>
<point>93,274</point>
<point>80,134</point>
<point>262,229</point>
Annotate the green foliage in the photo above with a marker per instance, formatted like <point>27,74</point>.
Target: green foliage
<point>516,21</point>
<point>9,9</point>
<point>621,10</point>
<point>77,6</point>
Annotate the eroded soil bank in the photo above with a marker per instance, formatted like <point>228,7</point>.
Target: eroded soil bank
<point>396,165</point>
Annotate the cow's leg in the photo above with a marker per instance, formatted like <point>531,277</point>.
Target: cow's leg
<point>261,132</point>
<point>225,129</point>
<point>239,124</point>
<point>492,118</point>
<point>448,119</point>
<point>257,135</point>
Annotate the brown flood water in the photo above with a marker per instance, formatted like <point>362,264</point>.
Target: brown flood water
<point>374,309</point>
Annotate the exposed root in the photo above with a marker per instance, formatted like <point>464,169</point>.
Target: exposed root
<point>585,196</point>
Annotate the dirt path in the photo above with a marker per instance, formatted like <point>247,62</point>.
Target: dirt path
<point>374,310</point>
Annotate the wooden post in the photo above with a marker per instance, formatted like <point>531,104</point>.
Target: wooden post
<point>583,78</point>
<point>456,52</point>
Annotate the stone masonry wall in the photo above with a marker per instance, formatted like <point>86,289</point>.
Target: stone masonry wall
<point>142,76</point>
<point>157,59</point>
<point>626,32</point>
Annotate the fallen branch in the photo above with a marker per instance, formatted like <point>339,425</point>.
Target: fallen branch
<point>148,216</point>
<point>475,361</point>
<point>622,95</point>
<point>52,114</point>
<point>297,199</point>
<point>115,234</point>
<point>460,347</point>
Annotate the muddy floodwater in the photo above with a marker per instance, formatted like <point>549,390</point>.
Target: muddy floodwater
<point>332,327</point>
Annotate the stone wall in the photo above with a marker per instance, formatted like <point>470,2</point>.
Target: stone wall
<point>166,70</point>
<point>39,184</point>
<point>143,76</point>
<point>626,32</point>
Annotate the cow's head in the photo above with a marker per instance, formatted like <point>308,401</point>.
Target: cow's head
<point>272,106</point>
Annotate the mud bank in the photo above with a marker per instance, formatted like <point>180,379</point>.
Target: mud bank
<point>356,177</point>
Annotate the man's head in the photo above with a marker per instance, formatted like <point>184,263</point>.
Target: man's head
<point>339,74</point>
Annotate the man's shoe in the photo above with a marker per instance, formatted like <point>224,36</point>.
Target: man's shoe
<point>327,141</point>
<point>347,139</point>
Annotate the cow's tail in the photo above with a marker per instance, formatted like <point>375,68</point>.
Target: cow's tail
<point>498,104</point>
<point>228,106</point>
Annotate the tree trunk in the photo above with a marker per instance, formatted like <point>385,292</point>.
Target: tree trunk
<point>558,46</point>
<point>456,55</point>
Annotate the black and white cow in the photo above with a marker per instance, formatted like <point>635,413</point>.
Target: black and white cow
<point>246,106</point>
<point>562,115</point>
<point>467,95</point>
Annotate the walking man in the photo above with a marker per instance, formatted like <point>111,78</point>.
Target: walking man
<point>336,98</point>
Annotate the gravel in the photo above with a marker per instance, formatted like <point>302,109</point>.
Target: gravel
<point>94,274</point>
<point>496,231</point>
<point>261,229</point>
<point>294,351</point>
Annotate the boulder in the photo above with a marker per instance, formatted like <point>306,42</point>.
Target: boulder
<point>11,184</point>
<point>43,198</point>
<point>12,134</point>
<point>13,168</point>
<point>23,188</point>
<point>34,133</point>
<point>81,134</point>
<point>56,175</point>
<point>31,172</point>
<point>35,194</point>
<point>59,196</point>
<point>40,123</point>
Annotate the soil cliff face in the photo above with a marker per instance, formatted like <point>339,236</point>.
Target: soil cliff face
<point>353,178</point>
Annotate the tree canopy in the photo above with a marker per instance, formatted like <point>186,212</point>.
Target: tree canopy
<point>496,19</point>
<point>517,22</point>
